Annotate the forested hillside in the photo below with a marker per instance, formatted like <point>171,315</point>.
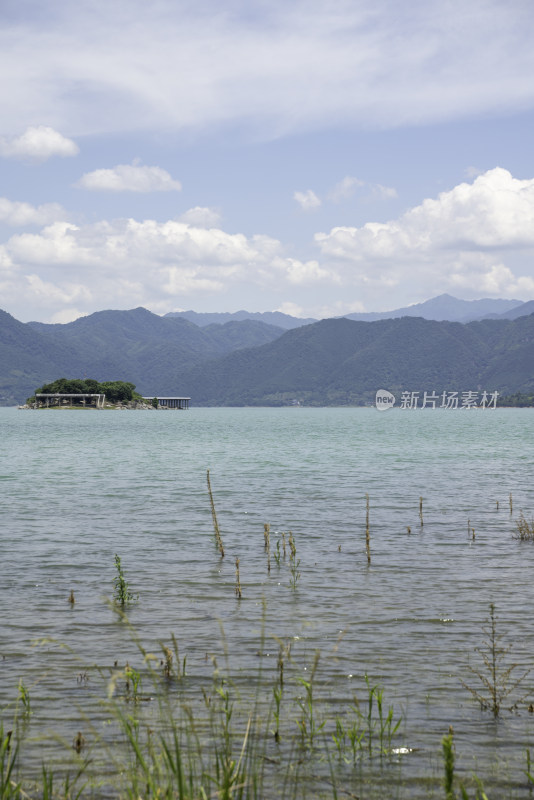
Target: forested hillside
<point>332,362</point>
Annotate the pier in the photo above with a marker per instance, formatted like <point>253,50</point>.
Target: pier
<point>181,403</point>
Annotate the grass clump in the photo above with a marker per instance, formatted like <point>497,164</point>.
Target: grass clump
<point>525,529</point>
<point>122,594</point>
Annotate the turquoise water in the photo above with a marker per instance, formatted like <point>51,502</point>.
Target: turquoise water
<point>80,486</point>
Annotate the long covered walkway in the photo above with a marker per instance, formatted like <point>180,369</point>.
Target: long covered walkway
<point>171,402</point>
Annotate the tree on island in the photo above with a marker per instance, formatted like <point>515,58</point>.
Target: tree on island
<point>115,391</point>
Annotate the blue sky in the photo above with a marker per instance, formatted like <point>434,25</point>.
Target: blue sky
<point>318,158</point>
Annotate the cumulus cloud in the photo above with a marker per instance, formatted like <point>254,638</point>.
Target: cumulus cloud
<point>38,144</point>
<point>308,201</point>
<point>128,262</point>
<point>201,217</point>
<point>476,238</point>
<point>21,214</point>
<point>129,178</point>
<point>458,239</point>
<point>304,272</point>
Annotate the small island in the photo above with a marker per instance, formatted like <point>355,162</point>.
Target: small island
<point>88,393</point>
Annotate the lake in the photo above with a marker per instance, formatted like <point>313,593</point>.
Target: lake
<point>79,487</point>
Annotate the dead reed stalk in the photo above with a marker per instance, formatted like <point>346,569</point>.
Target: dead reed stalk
<point>218,537</point>
<point>237,579</point>
<point>367,535</point>
<point>267,540</point>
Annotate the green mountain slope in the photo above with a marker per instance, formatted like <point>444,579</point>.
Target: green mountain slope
<point>343,361</point>
<point>26,359</point>
<point>134,345</point>
<point>335,361</point>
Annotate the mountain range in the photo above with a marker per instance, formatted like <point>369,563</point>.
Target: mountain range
<point>249,361</point>
<point>443,307</point>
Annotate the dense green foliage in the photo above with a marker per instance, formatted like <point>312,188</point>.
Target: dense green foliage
<point>115,391</point>
<point>517,400</point>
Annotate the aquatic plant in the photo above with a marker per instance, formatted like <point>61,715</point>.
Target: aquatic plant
<point>8,759</point>
<point>294,573</point>
<point>294,563</point>
<point>495,677</point>
<point>24,699</point>
<point>449,759</point>
<point>447,746</point>
<point>307,722</point>
<point>122,594</point>
<point>167,661</point>
<point>367,535</point>
<point>292,546</point>
<point>266,534</point>
<point>218,537</point>
<point>367,732</point>
<point>277,553</point>
<point>525,529</point>
<point>237,579</point>
<point>421,511</point>
<point>267,539</point>
<point>170,663</point>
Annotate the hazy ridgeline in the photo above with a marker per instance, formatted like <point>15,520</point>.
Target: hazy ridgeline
<point>370,547</point>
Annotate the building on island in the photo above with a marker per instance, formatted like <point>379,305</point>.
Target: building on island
<point>65,399</point>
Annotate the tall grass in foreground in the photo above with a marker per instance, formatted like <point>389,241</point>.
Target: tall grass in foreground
<point>276,734</point>
<point>174,736</point>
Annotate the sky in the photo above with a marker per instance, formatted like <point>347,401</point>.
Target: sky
<point>317,158</point>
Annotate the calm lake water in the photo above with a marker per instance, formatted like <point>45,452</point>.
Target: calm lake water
<point>80,486</point>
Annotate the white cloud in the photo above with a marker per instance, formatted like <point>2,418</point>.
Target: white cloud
<point>66,315</point>
<point>129,178</point>
<point>345,189</point>
<point>308,201</point>
<point>21,214</point>
<point>124,263</point>
<point>304,272</point>
<point>38,144</point>
<point>6,264</point>
<point>101,67</point>
<point>336,309</point>
<point>477,238</point>
<point>458,239</point>
<point>383,192</point>
<point>67,293</point>
<point>201,217</point>
<point>293,309</point>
